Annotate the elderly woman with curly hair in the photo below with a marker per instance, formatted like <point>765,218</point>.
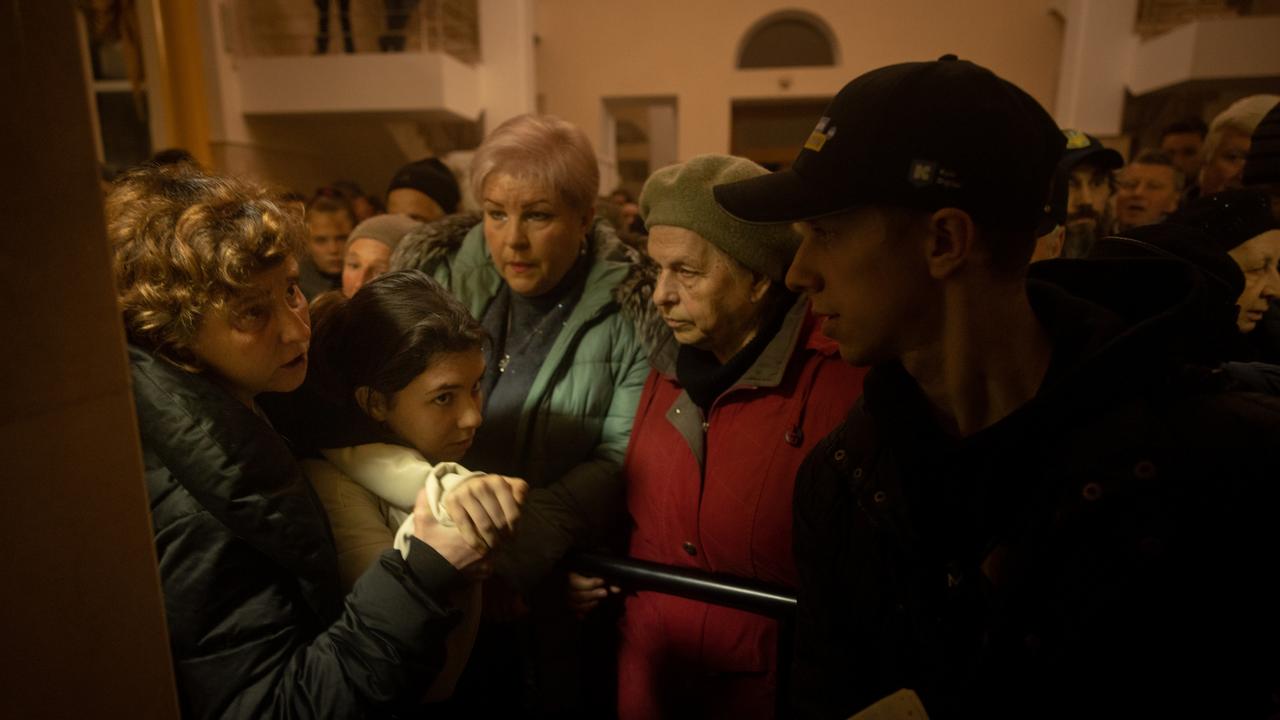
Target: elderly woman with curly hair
<point>561,298</point>
<point>207,279</point>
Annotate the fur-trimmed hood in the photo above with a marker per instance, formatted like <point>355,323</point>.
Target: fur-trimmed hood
<point>430,244</point>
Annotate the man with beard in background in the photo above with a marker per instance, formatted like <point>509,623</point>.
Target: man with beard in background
<point>1086,167</point>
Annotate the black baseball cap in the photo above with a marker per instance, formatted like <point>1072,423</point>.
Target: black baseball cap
<point>946,133</point>
<point>1055,211</point>
<point>1083,146</point>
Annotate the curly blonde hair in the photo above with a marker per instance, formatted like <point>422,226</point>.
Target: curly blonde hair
<point>183,242</point>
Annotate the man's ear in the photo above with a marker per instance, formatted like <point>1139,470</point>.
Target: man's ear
<point>760,284</point>
<point>951,241</point>
<point>372,403</point>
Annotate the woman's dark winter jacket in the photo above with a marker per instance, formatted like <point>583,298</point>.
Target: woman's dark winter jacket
<point>257,622</point>
<point>1109,549</point>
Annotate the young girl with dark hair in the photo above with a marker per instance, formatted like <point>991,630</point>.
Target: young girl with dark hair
<point>392,402</point>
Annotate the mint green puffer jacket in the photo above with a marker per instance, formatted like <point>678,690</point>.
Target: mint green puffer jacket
<point>576,420</point>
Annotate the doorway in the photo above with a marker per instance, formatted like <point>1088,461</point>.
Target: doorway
<point>639,138</point>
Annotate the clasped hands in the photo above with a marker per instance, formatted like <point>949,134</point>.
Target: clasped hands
<point>485,510</point>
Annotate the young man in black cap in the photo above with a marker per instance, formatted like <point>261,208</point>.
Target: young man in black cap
<point>1031,512</point>
<point>1052,228</point>
<point>1262,172</point>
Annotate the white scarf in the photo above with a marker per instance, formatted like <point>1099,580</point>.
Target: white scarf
<point>395,474</point>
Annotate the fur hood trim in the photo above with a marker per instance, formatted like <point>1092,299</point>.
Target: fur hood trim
<point>429,245</point>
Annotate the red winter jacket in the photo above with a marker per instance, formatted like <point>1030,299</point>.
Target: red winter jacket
<point>716,496</point>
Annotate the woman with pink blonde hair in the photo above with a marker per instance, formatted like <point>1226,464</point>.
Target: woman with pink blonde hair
<point>563,301</point>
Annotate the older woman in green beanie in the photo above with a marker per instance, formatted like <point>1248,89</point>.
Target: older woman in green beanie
<point>723,424</point>
<point>560,297</point>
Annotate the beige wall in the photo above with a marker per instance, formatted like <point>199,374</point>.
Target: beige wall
<point>305,152</point>
<point>687,48</point>
<point>355,123</point>
<point>80,608</point>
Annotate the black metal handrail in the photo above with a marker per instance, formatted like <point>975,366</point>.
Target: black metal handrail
<point>727,590</point>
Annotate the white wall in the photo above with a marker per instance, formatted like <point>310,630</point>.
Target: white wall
<point>1209,49</point>
<point>1096,61</point>
<point>508,82</point>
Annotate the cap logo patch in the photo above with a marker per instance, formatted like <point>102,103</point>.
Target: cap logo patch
<point>922,172</point>
<point>1076,139</point>
<point>820,135</point>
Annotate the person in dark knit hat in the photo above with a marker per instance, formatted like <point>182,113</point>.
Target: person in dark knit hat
<point>722,427</point>
<point>1212,337</point>
<point>1181,141</point>
<point>424,190</point>
<point>1217,338</point>
<point>1262,166</point>
<point>1262,172</point>
<point>1240,223</point>
<point>369,248</point>
<point>1033,512</point>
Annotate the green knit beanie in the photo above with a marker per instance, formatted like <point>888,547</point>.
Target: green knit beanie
<point>680,195</point>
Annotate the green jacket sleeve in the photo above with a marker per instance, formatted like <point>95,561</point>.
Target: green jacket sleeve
<point>576,509</point>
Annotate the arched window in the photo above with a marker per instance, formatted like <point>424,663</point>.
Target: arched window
<point>791,38</point>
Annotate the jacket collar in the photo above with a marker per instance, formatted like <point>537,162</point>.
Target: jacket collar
<point>1114,327</point>
<point>769,368</point>
<point>767,372</point>
<point>474,269</point>
<point>457,241</point>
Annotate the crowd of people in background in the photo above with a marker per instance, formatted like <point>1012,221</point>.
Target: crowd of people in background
<point>1198,177</point>
<point>997,405</point>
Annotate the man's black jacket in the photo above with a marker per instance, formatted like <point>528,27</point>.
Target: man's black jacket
<point>1109,548</point>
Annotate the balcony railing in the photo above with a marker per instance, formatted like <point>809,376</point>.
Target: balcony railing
<point>1156,17</point>
<point>299,27</point>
